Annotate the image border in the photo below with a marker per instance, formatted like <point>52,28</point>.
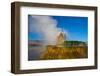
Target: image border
<point>15,37</point>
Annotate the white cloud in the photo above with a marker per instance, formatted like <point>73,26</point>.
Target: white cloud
<point>47,26</point>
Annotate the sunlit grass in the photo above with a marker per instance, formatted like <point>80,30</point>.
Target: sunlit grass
<point>55,52</point>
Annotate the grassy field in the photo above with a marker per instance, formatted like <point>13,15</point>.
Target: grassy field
<point>73,52</point>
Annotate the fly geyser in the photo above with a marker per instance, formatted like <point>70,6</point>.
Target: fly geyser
<point>60,39</point>
<point>65,49</point>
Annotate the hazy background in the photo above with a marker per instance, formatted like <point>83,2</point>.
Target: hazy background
<point>48,27</point>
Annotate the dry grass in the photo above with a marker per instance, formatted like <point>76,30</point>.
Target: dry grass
<point>54,52</point>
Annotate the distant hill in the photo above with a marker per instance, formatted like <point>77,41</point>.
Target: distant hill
<point>74,43</point>
<point>35,42</point>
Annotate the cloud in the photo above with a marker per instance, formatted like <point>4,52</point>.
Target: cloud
<point>47,26</point>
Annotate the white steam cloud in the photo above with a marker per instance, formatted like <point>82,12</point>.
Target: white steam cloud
<point>47,26</point>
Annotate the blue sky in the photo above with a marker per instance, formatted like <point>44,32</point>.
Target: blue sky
<point>76,27</point>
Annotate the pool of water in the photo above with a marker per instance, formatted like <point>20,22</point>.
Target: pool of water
<point>34,52</point>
